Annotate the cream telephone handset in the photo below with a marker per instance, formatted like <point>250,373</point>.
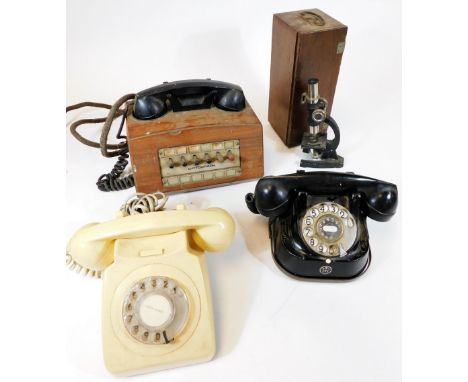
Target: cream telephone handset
<point>156,306</point>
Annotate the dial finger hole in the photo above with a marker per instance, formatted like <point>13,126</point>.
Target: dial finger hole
<point>128,319</point>
<point>170,285</point>
<point>323,248</point>
<point>323,208</point>
<point>314,212</point>
<point>334,208</point>
<point>313,242</point>
<point>334,250</point>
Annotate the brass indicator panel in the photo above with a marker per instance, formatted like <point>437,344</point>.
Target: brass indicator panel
<point>200,162</point>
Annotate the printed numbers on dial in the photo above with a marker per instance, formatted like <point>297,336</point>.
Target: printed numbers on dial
<point>323,208</point>
<point>314,212</point>
<point>334,208</point>
<point>308,232</point>
<point>313,242</point>
<point>328,229</point>
<point>155,310</point>
<point>323,248</point>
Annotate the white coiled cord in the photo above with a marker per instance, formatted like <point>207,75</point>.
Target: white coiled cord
<point>78,268</point>
<point>141,203</point>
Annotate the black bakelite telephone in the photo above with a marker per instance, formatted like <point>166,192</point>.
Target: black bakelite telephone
<point>317,220</point>
<point>187,95</point>
<point>149,104</point>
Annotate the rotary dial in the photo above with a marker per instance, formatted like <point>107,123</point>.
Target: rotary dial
<point>328,229</point>
<point>155,310</point>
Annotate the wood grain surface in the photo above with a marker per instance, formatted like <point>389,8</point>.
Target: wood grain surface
<point>146,138</point>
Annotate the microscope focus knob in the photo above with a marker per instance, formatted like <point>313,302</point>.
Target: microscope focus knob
<point>319,115</point>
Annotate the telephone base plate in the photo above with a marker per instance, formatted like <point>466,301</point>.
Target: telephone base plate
<point>319,276</point>
<point>315,266</point>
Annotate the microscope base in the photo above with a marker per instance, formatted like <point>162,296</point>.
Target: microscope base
<point>323,163</point>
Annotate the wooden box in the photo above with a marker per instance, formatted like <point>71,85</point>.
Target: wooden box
<point>206,148</point>
<point>305,44</point>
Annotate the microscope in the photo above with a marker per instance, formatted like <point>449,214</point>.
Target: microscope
<point>315,141</point>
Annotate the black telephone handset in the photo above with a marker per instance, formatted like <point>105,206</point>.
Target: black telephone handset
<point>187,95</point>
<point>318,220</point>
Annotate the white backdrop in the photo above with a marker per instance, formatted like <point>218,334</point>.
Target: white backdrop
<point>269,326</point>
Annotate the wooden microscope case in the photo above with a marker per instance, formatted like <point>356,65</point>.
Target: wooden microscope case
<point>305,44</point>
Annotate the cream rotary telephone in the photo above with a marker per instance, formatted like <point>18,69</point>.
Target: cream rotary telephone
<point>156,306</point>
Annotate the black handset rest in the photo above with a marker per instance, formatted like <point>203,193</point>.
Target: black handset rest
<point>187,95</point>
<point>274,194</point>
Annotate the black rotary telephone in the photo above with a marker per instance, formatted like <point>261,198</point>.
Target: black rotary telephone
<point>318,220</point>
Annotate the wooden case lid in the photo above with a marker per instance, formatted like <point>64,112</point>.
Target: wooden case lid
<point>189,120</point>
<point>309,21</point>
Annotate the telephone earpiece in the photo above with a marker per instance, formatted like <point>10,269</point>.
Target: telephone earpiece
<point>149,107</point>
<point>215,237</point>
<point>271,197</point>
<point>230,100</point>
<point>382,204</point>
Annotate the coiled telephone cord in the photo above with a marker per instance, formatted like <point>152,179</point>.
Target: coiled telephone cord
<point>143,203</point>
<point>78,268</point>
<point>112,181</point>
